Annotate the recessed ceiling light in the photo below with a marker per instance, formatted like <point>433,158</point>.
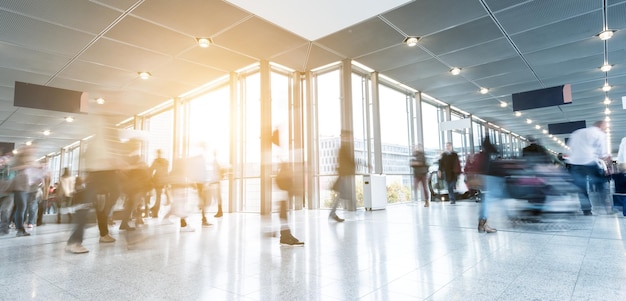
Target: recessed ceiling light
<point>46,132</point>
<point>545,131</point>
<point>606,68</point>
<point>204,42</point>
<point>100,100</point>
<point>411,41</point>
<point>607,111</point>
<point>503,104</point>
<point>518,113</point>
<point>607,118</point>
<point>607,101</point>
<point>605,35</point>
<point>537,126</point>
<point>455,71</point>
<point>69,119</point>
<point>529,121</point>
<point>28,142</point>
<point>606,87</point>
<point>484,90</point>
<point>144,75</point>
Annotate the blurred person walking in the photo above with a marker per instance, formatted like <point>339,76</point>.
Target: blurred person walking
<point>588,148</point>
<point>420,172</point>
<point>81,209</point>
<point>288,179</point>
<point>346,170</point>
<point>137,183</point>
<point>64,192</point>
<point>449,169</point>
<point>103,158</point>
<point>160,170</point>
<point>493,183</point>
<point>28,176</point>
<point>181,178</point>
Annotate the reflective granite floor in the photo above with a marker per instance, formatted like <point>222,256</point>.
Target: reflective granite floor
<point>406,252</point>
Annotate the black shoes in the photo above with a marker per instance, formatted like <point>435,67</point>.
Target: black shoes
<point>587,212</point>
<point>336,218</point>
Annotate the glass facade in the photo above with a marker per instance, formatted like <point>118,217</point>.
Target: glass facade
<point>228,120</point>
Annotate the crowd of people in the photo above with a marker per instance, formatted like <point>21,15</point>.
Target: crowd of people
<point>585,167</point>
<point>115,170</point>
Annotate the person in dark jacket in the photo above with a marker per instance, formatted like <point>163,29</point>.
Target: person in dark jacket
<point>160,171</point>
<point>493,184</point>
<point>450,168</point>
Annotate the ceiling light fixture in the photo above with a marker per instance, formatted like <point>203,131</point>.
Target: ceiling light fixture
<point>455,71</point>
<point>69,119</point>
<point>529,121</point>
<point>144,75</point>
<point>606,67</point>
<point>607,111</point>
<point>607,101</point>
<point>411,41</point>
<point>606,87</point>
<point>503,104</point>
<point>545,131</point>
<point>518,113</point>
<point>28,143</point>
<point>606,34</point>
<point>46,132</point>
<point>484,90</point>
<point>538,127</point>
<point>607,119</point>
<point>204,42</point>
<point>100,100</point>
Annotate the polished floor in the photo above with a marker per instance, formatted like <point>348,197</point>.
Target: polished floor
<point>405,252</point>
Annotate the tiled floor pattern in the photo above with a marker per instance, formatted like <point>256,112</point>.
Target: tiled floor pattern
<point>406,252</point>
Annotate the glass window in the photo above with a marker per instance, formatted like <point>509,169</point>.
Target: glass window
<point>395,139</point>
<point>328,124</point>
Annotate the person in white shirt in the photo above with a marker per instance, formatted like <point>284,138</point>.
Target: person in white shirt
<point>621,155</point>
<point>588,146</point>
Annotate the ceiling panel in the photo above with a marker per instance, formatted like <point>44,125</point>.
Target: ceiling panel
<point>421,18</point>
<point>357,40</point>
<point>535,14</point>
<point>481,54</point>
<point>123,56</point>
<point>148,35</point>
<point>319,56</point>
<point>199,18</point>
<point>560,33</point>
<point>19,30</point>
<point>393,57</point>
<point>44,42</point>
<point>462,36</point>
<point>82,15</point>
<point>35,61</point>
<point>218,58</point>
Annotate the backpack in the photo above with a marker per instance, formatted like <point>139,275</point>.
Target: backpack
<point>284,176</point>
<point>475,163</point>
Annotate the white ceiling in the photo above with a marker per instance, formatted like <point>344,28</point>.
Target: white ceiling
<point>508,46</point>
<point>316,19</point>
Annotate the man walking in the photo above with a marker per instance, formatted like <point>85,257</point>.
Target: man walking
<point>450,168</point>
<point>587,147</point>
